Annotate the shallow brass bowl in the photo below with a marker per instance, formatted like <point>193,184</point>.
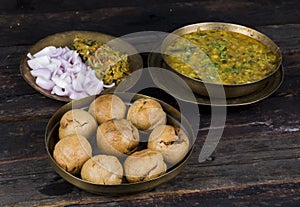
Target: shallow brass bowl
<point>174,117</point>
<point>231,90</point>
<point>65,39</point>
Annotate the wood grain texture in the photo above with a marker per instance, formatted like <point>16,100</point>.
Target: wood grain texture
<point>257,161</point>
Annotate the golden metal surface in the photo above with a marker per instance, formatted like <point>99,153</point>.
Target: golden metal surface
<point>65,39</point>
<point>174,118</point>
<point>231,91</point>
<point>273,83</point>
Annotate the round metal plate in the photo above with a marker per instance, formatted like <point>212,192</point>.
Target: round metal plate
<point>174,118</point>
<point>65,39</point>
<point>231,90</point>
<point>156,60</point>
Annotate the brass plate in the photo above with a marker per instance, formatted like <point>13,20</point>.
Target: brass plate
<point>231,90</point>
<point>156,60</point>
<point>65,39</point>
<point>174,118</point>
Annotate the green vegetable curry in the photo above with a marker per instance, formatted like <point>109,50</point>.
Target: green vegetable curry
<point>221,56</point>
<point>110,65</point>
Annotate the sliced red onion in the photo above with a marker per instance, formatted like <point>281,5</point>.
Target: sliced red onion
<point>59,91</point>
<point>64,64</point>
<point>41,72</point>
<point>88,84</point>
<point>61,71</point>
<point>29,56</point>
<point>68,54</point>
<point>57,52</point>
<point>78,95</point>
<point>95,89</point>
<point>39,62</point>
<point>57,72</point>
<point>66,76</point>
<point>47,51</point>
<point>44,83</point>
<point>59,82</point>
<point>55,64</point>
<point>109,86</point>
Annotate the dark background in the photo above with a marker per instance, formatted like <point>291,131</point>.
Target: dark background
<point>256,162</point>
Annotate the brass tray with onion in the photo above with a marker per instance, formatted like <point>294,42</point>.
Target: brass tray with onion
<point>66,39</point>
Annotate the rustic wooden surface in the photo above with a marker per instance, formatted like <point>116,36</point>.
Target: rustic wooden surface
<point>257,162</point>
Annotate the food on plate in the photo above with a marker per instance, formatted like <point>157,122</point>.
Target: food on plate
<point>109,64</point>
<point>144,165</point>
<point>85,47</point>
<point>102,169</point>
<point>62,72</point>
<point>146,113</point>
<point>77,121</point>
<point>71,152</point>
<point>117,137</point>
<point>221,56</point>
<point>78,70</point>
<point>170,141</point>
<point>114,151</point>
<point>107,107</point>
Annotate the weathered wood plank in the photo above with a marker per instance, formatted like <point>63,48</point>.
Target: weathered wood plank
<point>22,140</point>
<point>261,195</point>
<point>27,107</point>
<point>35,178</point>
<point>264,118</point>
<point>256,162</point>
<point>15,91</point>
<point>138,17</point>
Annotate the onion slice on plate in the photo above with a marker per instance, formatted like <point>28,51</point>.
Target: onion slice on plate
<point>62,72</point>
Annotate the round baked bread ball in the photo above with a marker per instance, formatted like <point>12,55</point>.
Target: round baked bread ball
<point>102,169</point>
<point>117,137</point>
<point>77,121</point>
<point>146,114</point>
<point>107,107</point>
<point>144,165</point>
<point>71,152</point>
<point>171,142</point>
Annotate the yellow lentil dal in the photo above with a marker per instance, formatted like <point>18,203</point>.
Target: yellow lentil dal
<point>221,56</point>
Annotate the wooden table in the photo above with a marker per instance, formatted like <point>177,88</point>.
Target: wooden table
<point>256,163</point>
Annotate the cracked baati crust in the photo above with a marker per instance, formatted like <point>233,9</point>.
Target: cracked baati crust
<point>146,114</point>
<point>171,141</point>
<point>77,121</point>
<point>144,165</point>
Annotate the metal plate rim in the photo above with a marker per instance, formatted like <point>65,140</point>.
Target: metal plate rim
<point>61,39</point>
<point>155,60</point>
